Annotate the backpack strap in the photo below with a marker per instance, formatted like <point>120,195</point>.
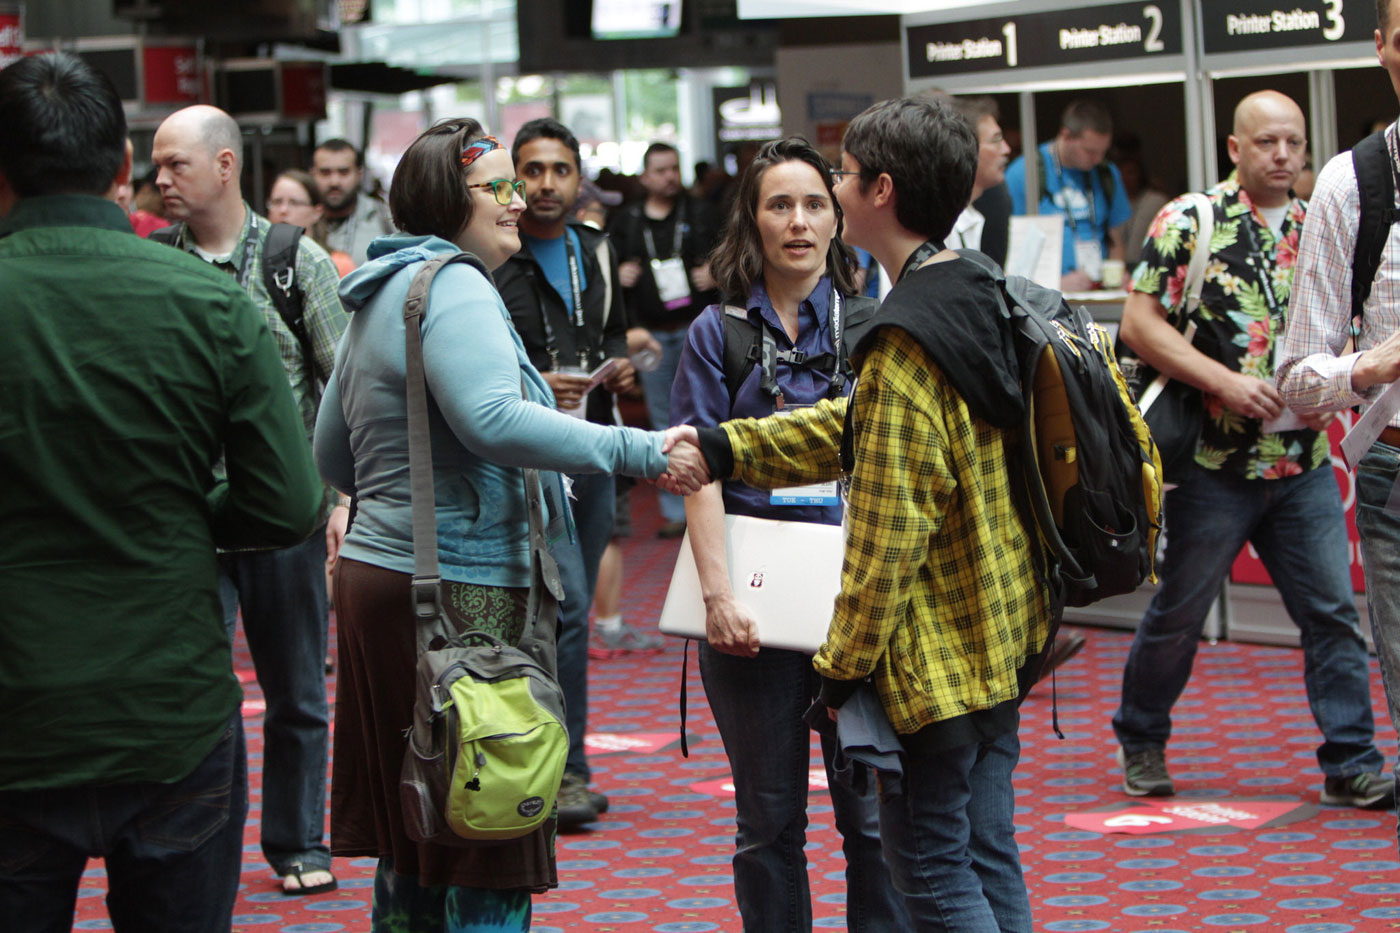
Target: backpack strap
<point>1200,257</point>
<point>545,586</point>
<point>279,265</point>
<point>1375,183</point>
<point>170,235</point>
<point>747,345</point>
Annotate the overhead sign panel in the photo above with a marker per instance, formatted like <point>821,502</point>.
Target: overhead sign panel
<point>1251,25</point>
<point>1079,36</point>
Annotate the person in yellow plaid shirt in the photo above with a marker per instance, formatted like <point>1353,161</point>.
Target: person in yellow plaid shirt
<point>942,603</point>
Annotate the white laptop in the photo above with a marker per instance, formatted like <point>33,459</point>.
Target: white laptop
<point>787,573</point>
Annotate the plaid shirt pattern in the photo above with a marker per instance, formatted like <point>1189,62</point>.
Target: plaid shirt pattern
<point>940,598</point>
<point>1315,363</point>
<point>325,318</point>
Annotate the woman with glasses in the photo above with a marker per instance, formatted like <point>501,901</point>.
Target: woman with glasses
<point>784,272</point>
<point>491,413</point>
<point>295,198</point>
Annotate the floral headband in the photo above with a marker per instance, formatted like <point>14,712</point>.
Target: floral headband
<point>478,148</point>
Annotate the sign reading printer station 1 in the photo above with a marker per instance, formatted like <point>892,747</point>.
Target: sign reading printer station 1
<point>1246,25</point>
<point>1037,40</point>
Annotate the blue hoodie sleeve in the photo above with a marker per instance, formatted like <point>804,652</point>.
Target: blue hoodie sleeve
<point>474,366</point>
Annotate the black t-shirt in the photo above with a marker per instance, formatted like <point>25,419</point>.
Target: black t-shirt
<point>995,206</point>
<point>696,238</point>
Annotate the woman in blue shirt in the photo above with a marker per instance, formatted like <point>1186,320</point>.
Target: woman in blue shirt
<point>782,264</point>
<point>490,414</point>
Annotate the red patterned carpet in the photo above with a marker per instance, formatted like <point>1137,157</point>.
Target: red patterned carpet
<point>659,861</point>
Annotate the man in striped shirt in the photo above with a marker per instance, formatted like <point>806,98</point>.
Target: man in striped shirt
<point>1324,365</point>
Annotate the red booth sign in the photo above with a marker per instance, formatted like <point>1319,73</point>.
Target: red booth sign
<point>11,36</point>
<point>171,74</point>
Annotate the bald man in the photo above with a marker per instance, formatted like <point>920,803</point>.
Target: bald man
<point>198,154</point>
<point>1260,476</point>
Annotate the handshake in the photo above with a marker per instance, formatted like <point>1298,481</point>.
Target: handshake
<point>686,469</point>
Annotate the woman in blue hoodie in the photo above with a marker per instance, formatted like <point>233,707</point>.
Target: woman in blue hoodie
<point>454,189</point>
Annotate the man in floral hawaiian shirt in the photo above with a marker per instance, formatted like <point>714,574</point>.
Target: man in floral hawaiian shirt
<point>1261,475</point>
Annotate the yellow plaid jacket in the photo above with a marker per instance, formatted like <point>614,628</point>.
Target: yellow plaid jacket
<point>940,598</point>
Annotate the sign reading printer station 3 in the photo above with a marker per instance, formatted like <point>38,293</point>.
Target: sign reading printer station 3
<point>1247,25</point>
<point>1056,37</point>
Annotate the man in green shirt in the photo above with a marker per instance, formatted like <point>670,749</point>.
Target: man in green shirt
<point>127,369</point>
<point>198,152</point>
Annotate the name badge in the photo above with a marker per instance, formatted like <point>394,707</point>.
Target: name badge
<point>671,282</point>
<point>813,494</point>
<point>1088,258</point>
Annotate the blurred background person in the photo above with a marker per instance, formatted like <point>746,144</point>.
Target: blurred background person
<point>295,198</point>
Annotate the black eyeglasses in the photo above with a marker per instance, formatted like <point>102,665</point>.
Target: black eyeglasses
<point>505,191</point>
<point>837,174</point>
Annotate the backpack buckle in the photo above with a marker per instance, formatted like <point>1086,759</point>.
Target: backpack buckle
<point>283,280</point>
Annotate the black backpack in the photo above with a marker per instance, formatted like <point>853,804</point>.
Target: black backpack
<point>1092,475</point>
<point>279,263</point>
<point>1375,180</point>
<point>746,346</point>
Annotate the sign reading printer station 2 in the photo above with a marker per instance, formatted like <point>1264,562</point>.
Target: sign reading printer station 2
<point>1037,40</point>
<point>1247,25</point>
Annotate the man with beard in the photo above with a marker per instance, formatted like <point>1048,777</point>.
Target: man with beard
<point>562,293</point>
<point>353,219</point>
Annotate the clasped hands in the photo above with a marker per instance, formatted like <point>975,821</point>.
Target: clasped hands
<point>686,469</point>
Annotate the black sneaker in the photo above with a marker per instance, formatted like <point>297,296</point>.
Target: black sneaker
<point>600,803</point>
<point>575,807</point>
<point>1145,773</point>
<point>1369,791</point>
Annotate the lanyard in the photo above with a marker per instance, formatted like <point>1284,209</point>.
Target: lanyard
<point>920,256</point>
<point>250,247</point>
<point>1069,213</point>
<point>581,341</point>
<point>675,237</point>
<point>1264,268</point>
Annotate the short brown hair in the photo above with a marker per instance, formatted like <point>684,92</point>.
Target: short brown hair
<point>429,194</point>
<point>1084,114</point>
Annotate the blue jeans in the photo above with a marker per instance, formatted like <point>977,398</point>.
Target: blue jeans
<point>173,851</point>
<point>1380,553</point>
<point>950,839</point>
<point>285,617</point>
<point>594,500</point>
<point>758,705</point>
<point>1297,526</point>
<point>657,386</point>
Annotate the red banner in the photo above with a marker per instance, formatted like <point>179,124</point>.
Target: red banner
<point>304,90</point>
<point>171,74</point>
<point>1248,568</point>
<point>11,36</point>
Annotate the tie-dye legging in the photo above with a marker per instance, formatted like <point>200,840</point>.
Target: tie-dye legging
<point>402,906</point>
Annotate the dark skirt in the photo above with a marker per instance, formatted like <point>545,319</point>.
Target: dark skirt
<point>373,711</point>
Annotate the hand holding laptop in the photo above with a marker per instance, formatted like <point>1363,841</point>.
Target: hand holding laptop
<point>731,627</point>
